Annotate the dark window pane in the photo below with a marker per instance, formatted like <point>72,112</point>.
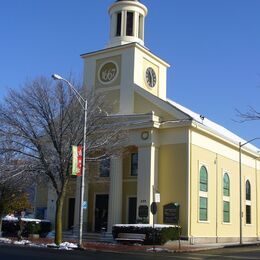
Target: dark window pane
<point>104,168</point>
<point>203,209</point>
<point>248,214</point>
<point>118,24</point>
<point>248,190</point>
<point>226,185</point>
<point>226,212</point>
<point>203,179</point>
<point>129,24</point>
<point>134,164</point>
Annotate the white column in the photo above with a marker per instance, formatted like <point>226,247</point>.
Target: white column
<point>115,193</point>
<point>147,176</point>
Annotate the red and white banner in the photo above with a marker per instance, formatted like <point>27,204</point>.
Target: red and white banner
<point>77,160</point>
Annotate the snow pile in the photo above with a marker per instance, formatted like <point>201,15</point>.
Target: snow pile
<point>157,226</point>
<point>67,246</point>
<point>22,242</point>
<point>158,250</point>
<point>5,240</point>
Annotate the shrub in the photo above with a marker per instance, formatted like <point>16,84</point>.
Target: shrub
<point>11,228</point>
<point>163,233</point>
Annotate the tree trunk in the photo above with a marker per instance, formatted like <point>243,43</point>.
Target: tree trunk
<point>58,215</point>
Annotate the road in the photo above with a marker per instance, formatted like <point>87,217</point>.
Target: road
<point>10,252</point>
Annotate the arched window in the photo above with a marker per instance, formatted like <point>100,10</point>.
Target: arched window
<point>203,194</point>
<point>248,202</point>
<point>226,198</point>
<point>248,190</point>
<point>203,179</point>
<point>226,185</point>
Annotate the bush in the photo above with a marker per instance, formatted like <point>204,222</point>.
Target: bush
<point>163,233</point>
<point>11,228</point>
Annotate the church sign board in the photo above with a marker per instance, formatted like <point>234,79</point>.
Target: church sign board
<point>171,213</point>
<point>143,211</point>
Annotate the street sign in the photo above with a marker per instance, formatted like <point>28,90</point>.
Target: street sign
<point>153,208</point>
<point>157,197</point>
<point>143,211</point>
<point>85,204</point>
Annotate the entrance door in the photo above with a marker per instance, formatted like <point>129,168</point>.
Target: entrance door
<point>132,210</point>
<point>71,213</point>
<point>101,212</point>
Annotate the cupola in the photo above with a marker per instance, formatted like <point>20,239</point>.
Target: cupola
<point>126,22</point>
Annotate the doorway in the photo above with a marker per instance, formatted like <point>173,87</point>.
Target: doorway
<point>132,203</point>
<point>71,211</point>
<point>101,212</point>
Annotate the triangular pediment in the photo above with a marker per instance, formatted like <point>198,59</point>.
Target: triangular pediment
<point>145,102</point>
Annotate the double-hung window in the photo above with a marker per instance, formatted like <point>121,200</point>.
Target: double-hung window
<point>248,202</point>
<point>203,194</point>
<point>226,198</point>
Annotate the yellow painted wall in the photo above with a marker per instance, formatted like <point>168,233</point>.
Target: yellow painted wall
<point>142,105</point>
<point>172,180</point>
<point>216,165</point>
<point>95,188</point>
<point>129,190</point>
<point>129,183</point>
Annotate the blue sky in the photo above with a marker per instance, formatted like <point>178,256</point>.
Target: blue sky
<point>213,47</point>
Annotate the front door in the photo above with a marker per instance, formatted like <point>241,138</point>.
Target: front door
<point>132,210</point>
<point>101,212</point>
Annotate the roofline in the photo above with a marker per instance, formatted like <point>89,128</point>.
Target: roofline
<point>125,46</point>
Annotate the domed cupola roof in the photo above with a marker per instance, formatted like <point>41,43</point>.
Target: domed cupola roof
<point>127,22</point>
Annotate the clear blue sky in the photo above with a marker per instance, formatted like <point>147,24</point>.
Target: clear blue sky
<point>213,47</point>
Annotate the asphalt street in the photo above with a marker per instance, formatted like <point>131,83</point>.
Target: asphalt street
<point>11,252</point>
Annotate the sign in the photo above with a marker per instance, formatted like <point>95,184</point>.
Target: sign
<point>171,213</point>
<point>85,204</point>
<point>154,208</point>
<point>77,160</point>
<point>157,197</point>
<point>143,211</point>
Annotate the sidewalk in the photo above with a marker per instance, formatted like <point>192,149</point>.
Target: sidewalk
<point>171,246</point>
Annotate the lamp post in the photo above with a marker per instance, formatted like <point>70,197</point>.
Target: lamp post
<point>240,186</point>
<point>83,102</point>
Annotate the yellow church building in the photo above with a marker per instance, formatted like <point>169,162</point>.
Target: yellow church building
<point>186,158</point>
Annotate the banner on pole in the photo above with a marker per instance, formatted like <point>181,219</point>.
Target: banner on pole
<point>76,160</point>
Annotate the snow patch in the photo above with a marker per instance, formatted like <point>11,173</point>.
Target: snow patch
<point>22,242</point>
<point>5,240</point>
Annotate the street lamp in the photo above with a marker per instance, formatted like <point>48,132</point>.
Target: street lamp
<point>83,102</point>
<point>240,184</point>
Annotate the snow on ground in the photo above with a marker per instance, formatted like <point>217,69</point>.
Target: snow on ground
<point>158,249</point>
<point>5,240</point>
<point>22,242</point>
<point>68,246</point>
<point>63,246</point>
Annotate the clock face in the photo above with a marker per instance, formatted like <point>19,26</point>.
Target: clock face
<point>150,76</point>
<point>108,72</point>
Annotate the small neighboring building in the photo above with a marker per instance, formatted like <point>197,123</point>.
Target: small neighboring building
<point>173,151</point>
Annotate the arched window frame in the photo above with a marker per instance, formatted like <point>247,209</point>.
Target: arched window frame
<point>226,197</point>
<point>203,194</point>
<point>248,195</point>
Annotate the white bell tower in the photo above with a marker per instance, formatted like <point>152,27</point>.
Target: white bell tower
<point>126,22</point>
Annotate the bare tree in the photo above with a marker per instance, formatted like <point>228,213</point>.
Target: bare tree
<point>251,115</point>
<point>40,123</point>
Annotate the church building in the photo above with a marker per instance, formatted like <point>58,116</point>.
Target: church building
<point>187,163</point>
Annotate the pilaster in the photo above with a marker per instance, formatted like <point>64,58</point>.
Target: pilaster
<point>147,177</point>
